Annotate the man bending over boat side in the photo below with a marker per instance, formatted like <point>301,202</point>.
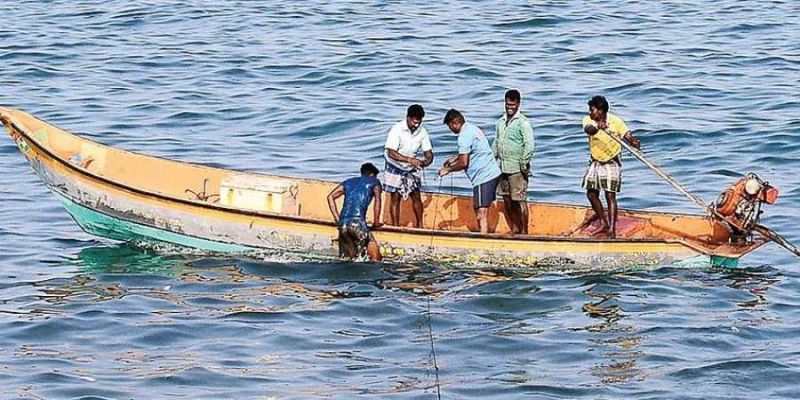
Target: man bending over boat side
<point>355,239</point>
<point>476,158</point>
<point>605,164</point>
<point>401,177</point>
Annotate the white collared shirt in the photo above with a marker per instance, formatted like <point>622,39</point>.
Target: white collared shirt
<point>407,143</point>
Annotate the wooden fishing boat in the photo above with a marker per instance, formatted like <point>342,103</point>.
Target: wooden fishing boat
<point>133,197</point>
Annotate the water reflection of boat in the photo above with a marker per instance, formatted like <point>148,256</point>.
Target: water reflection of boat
<point>132,197</point>
<point>125,259</point>
<point>618,343</point>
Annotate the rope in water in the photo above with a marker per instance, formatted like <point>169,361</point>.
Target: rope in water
<point>436,211</point>
<point>453,207</point>
<point>428,297</point>
<point>433,350</point>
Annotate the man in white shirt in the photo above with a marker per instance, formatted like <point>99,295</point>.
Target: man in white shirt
<point>401,177</point>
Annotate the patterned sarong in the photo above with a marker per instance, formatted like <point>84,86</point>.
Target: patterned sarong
<point>606,176</point>
<point>400,181</point>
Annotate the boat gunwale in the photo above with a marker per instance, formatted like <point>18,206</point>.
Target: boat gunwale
<point>10,120</point>
<point>313,180</point>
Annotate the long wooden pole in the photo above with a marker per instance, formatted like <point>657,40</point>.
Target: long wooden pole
<point>777,238</point>
<point>672,181</point>
<point>761,229</point>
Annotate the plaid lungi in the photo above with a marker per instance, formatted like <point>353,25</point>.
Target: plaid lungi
<point>400,180</point>
<point>606,176</point>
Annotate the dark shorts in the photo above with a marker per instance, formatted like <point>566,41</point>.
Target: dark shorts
<point>354,236</point>
<point>513,185</point>
<point>484,194</point>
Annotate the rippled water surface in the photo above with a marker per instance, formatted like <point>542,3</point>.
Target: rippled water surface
<point>310,90</point>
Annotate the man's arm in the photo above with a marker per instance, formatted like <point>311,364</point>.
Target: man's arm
<point>376,209</point>
<point>454,164</point>
<point>496,136</point>
<point>415,162</point>
<point>527,143</point>
<point>337,192</point>
<point>427,149</point>
<point>632,140</point>
<point>591,127</point>
<point>428,158</point>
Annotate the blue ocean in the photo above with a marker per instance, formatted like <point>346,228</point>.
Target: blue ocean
<point>310,89</point>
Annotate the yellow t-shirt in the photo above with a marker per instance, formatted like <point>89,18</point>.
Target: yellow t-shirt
<point>601,147</point>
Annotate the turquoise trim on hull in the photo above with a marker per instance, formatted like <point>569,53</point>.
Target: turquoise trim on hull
<point>704,261</point>
<point>726,262</point>
<point>97,223</point>
<point>701,261</point>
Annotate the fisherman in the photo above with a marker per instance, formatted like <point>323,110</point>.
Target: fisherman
<point>355,239</point>
<point>476,158</point>
<point>401,177</point>
<point>605,164</point>
<point>513,148</point>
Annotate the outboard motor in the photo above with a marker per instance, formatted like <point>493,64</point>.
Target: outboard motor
<point>740,204</point>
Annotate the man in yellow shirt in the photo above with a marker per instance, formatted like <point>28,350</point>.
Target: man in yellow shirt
<point>605,165</point>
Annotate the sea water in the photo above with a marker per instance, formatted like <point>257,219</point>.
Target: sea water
<point>310,89</point>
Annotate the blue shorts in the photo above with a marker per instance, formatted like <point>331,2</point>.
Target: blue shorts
<point>484,194</point>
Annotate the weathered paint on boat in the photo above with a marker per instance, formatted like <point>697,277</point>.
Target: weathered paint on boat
<point>132,197</point>
<point>100,224</point>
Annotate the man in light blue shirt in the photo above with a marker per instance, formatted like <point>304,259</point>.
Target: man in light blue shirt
<point>476,158</point>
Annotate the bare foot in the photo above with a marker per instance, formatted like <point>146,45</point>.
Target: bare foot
<point>603,229</point>
<point>600,235</point>
<point>588,220</point>
<point>580,227</point>
<point>605,233</point>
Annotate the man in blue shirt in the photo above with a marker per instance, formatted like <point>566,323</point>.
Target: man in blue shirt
<point>355,239</point>
<point>476,158</point>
